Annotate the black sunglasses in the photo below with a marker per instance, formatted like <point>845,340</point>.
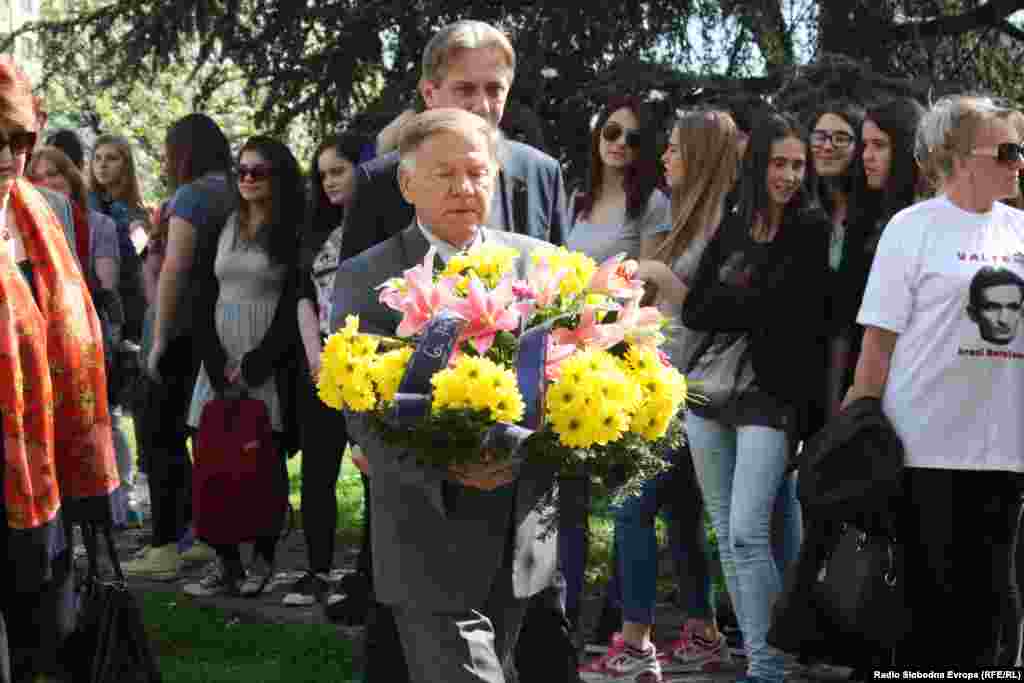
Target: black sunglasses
<point>256,171</point>
<point>613,131</point>
<point>1009,152</point>
<point>1004,153</point>
<point>20,141</point>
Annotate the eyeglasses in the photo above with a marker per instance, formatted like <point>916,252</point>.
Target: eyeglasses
<point>613,131</point>
<point>256,172</point>
<point>1004,153</point>
<point>838,138</point>
<point>20,141</point>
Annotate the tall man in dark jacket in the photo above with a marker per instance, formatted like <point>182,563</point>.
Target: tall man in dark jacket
<point>470,65</point>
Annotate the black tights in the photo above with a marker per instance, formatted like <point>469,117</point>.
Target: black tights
<point>959,533</point>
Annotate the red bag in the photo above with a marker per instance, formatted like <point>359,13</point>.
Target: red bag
<point>235,493</point>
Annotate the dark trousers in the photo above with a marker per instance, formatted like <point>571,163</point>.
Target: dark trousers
<point>324,436</point>
<point>164,442</point>
<point>34,624</point>
<point>959,528</point>
<point>472,646</point>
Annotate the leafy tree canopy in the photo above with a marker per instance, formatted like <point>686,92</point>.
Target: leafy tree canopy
<point>327,64</point>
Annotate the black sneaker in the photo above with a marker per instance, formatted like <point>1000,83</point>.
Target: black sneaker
<point>309,589</point>
<point>351,610</point>
<point>608,624</point>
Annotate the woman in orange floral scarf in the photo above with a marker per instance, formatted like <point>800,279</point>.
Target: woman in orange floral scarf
<point>55,427</point>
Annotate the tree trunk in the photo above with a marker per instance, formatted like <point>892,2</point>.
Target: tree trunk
<point>857,30</point>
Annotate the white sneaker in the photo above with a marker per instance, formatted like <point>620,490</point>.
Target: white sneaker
<point>216,582</point>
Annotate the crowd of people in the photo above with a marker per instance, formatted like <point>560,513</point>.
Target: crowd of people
<point>858,251</point>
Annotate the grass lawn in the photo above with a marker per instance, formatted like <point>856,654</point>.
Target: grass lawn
<point>203,645</point>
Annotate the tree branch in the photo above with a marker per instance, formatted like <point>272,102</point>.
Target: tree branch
<point>989,14</point>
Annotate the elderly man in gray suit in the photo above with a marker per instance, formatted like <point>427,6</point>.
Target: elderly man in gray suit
<point>456,552</point>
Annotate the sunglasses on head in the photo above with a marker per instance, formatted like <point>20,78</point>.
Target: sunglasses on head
<point>1004,153</point>
<point>613,131</point>
<point>20,141</point>
<point>255,172</point>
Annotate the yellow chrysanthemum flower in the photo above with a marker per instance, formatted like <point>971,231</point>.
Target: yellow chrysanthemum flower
<point>327,388</point>
<point>652,420</point>
<point>346,361</point>
<point>387,372</point>
<point>489,261</point>
<point>480,384</point>
<point>357,387</point>
<point>663,391</point>
<point>579,268</point>
<point>593,401</point>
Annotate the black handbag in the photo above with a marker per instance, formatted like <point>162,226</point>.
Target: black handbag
<point>109,643</point>
<point>860,587</point>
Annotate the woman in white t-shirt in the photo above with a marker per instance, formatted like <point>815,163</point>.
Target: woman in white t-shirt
<point>942,348</point>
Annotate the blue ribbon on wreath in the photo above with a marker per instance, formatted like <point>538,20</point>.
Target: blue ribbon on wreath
<point>413,399</point>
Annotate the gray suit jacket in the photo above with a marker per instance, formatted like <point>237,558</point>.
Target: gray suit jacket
<point>437,545</point>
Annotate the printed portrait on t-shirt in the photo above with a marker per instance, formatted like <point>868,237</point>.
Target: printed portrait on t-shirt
<point>995,298</point>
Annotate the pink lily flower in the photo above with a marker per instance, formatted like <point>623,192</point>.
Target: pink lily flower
<point>640,325</point>
<point>589,332</point>
<point>422,298</point>
<point>556,354</point>
<point>616,277</point>
<point>487,313</point>
<point>545,283</point>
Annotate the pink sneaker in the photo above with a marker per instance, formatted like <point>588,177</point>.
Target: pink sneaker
<point>694,653</point>
<point>619,665</point>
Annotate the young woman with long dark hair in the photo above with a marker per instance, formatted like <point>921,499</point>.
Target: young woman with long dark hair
<point>888,179</point>
<point>246,326</point>
<point>332,185</point>
<point>619,205</point>
<point>762,276</point>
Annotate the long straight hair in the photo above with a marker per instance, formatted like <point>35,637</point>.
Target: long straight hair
<point>753,199</point>
<point>853,115</point>
<point>640,177</point>
<point>898,119</point>
<point>709,147</point>
<point>279,236</point>
<point>67,168</point>
<point>323,216</point>
<point>195,146</point>
<point>127,188</point>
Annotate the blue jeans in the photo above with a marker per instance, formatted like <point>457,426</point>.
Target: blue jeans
<point>636,546</point>
<point>741,473</point>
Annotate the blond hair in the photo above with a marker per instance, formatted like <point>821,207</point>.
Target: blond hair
<point>949,131</point>
<point>419,128</point>
<point>462,35</point>
<point>709,147</point>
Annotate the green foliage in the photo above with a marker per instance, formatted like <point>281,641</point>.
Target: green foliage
<point>313,67</point>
